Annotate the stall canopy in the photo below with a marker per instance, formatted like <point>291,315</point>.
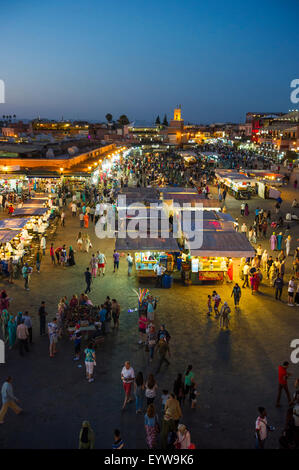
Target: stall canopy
<point>7,235</point>
<point>223,243</point>
<point>33,211</point>
<point>147,244</point>
<point>14,223</point>
<point>35,202</point>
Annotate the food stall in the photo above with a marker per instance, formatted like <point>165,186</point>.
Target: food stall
<point>217,258</point>
<point>148,252</point>
<point>239,186</point>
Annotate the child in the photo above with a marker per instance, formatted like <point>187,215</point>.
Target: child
<point>193,395</point>
<point>209,305</point>
<point>77,338</point>
<point>164,397</point>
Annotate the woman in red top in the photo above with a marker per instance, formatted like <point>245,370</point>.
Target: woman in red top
<point>142,324</point>
<point>11,210</point>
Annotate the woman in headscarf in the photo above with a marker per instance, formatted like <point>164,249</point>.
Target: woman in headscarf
<point>264,260</point>
<point>273,241</point>
<point>12,331</point>
<point>279,241</point>
<point>86,220</point>
<point>86,436</point>
<point>4,300</point>
<point>19,318</point>
<point>4,321</point>
<point>71,257</point>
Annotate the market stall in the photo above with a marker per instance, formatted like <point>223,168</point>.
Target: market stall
<point>238,185</point>
<point>215,259</point>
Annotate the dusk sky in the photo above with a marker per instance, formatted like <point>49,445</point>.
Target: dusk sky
<point>82,60</point>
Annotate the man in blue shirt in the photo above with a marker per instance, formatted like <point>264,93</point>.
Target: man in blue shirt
<point>103,314</point>
<point>8,400</point>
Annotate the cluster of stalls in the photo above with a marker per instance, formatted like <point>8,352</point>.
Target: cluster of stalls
<point>245,183</point>
<point>163,234</point>
<point>20,234</point>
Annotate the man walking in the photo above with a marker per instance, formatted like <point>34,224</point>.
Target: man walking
<point>246,270</point>
<point>25,273</point>
<point>115,260</point>
<point>8,400</point>
<point>52,253</point>
<point>87,275</point>
<point>130,264</point>
<point>42,318</point>
<point>282,382</point>
<point>28,324</point>
<point>163,349</point>
<point>22,335</point>
<point>159,270</point>
<point>278,284</point>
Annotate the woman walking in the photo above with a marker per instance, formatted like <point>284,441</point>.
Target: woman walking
<point>288,245</point>
<point>151,388</point>
<point>139,392</point>
<point>178,388</point>
<point>189,379</point>
<point>86,220</point>
<point>94,266</point>
<point>12,331</point>
<point>273,241</point>
<point>86,436</point>
<point>236,292</point>
<point>151,426</point>
<point>246,211</point>
<point>90,362</point>
<point>71,257</point>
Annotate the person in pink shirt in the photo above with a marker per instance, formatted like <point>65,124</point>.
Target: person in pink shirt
<point>142,324</point>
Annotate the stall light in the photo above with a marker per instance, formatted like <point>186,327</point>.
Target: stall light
<point>61,170</point>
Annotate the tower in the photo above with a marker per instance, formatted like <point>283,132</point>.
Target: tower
<point>177,115</point>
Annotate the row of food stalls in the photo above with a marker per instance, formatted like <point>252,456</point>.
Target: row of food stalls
<point>20,234</point>
<point>245,183</point>
<point>161,237</point>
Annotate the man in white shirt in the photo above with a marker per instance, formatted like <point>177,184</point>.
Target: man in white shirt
<point>159,270</point>
<point>74,209</point>
<point>246,270</point>
<point>127,377</point>
<point>130,264</point>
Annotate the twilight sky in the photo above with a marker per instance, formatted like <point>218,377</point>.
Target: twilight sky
<point>83,59</point>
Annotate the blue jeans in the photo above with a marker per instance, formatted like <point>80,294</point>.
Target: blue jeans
<point>139,403</point>
<point>151,351</point>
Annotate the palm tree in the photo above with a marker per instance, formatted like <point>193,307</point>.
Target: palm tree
<point>109,117</point>
<point>14,116</point>
<point>123,120</point>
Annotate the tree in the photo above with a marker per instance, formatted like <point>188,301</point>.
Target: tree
<point>165,122</point>
<point>158,120</point>
<point>109,117</point>
<point>123,120</point>
<point>14,116</point>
